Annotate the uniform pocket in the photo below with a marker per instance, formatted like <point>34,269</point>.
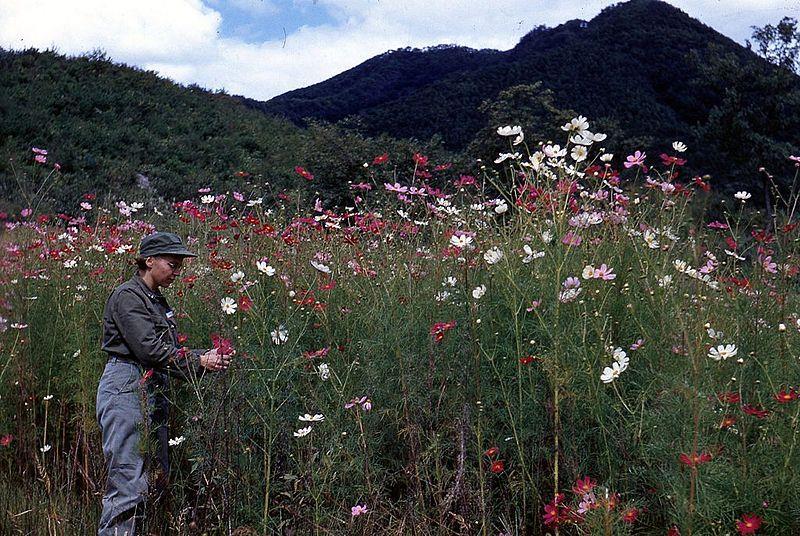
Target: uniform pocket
<point>120,377</point>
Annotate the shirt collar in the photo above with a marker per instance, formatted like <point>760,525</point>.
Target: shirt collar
<point>150,293</point>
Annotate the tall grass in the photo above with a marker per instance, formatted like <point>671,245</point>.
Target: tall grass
<point>453,341</point>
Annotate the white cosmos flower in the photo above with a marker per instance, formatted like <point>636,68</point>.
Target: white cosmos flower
<point>441,296</point>
<point>70,263</point>
<point>45,448</point>
<point>302,432</point>
<point>722,352</point>
<point>493,255</point>
<point>325,269</point>
<point>742,195</point>
<point>207,199</point>
<point>681,266</point>
<point>665,281</point>
<point>650,238</point>
<point>577,124</point>
<point>279,335</point>
<point>619,355</point>
<point>588,272</point>
<point>502,157</point>
<point>175,441</point>
<point>254,202</point>
<point>461,241</point>
<point>714,334</point>
<point>237,276</point>
<point>679,146</point>
<point>48,398</point>
<point>478,292</point>
<point>530,254</point>
<point>265,268</point>
<point>554,151</point>
<point>228,305</point>
<point>501,207</point>
<point>450,281</point>
<point>579,153</point>
<point>607,157</point>
<point>519,139</point>
<point>311,418</point>
<point>612,373</point>
<point>509,130</point>
<point>734,255</point>
<point>324,371</point>
<point>547,237</point>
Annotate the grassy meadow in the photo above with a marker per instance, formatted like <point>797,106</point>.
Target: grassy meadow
<point>570,346</point>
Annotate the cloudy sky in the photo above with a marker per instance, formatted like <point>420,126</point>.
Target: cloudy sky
<point>261,48</point>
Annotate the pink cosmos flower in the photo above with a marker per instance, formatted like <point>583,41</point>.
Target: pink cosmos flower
<point>358,509</point>
<point>239,197</point>
<point>768,265</point>
<point>638,344</point>
<point>604,272</point>
<point>40,158</point>
<point>396,187</point>
<point>636,159</point>
<point>571,239</point>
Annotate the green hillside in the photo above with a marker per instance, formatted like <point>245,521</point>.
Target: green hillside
<point>114,129</point>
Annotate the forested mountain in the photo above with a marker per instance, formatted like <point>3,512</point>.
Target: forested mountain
<point>643,69</point>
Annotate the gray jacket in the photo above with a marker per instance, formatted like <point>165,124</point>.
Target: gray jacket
<point>139,326</point>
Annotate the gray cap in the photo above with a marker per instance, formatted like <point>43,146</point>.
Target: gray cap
<point>162,243</point>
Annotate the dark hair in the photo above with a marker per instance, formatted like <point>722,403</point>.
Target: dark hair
<point>141,263</point>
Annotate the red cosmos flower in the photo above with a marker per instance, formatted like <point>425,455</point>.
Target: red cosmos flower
<point>749,524</point>
<point>440,328</point>
<point>322,352</point>
<point>528,359</point>
<point>303,172</point>
<point>630,515</point>
<point>442,167</point>
<point>755,411</point>
<point>464,180</point>
<point>182,338</point>
<point>380,159</point>
<point>694,459</point>
<point>420,160</point>
<point>669,160</point>
<point>729,398</point>
<point>497,467</point>
<point>673,531</point>
<point>727,422</point>
<point>149,372</point>
<point>491,452</point>
<point>584,486</point>
<point>6,440</point>
<point>242,174</point>
<point>222,344</point>
<point>245,303</point>
<point>783,397</point>
<point>554,512</point>
<point>702,184</point>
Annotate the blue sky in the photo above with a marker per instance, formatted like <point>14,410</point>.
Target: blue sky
<point>262,48</point>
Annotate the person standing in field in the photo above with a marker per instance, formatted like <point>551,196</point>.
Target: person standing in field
<point>140,337</point>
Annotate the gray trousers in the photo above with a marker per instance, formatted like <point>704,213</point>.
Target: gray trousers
<point>133,417</point>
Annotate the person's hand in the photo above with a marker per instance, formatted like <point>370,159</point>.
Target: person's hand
<point>214,361</point>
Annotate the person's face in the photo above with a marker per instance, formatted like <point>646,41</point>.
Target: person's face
<point>164,269</point>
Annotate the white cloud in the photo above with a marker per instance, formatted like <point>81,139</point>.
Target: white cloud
<point>181,38</point>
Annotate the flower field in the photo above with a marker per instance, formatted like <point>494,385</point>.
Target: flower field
<point>570,346</point>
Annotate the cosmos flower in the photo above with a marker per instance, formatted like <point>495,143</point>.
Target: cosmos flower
<point>228,305</point>
<point>302,432</point>
<point>722,352</point>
